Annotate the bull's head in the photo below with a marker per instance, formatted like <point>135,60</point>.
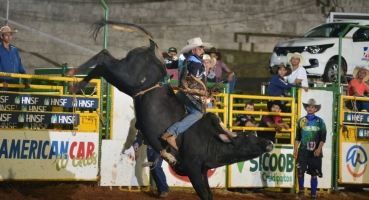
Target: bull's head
<point>248,146</point>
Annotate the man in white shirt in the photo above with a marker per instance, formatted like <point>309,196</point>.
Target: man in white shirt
<point>298,75</point>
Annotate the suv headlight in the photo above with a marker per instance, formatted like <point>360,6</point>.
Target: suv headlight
<point>318,48</point>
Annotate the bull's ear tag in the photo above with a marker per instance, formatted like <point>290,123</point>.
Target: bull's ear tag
<point>147,164</point>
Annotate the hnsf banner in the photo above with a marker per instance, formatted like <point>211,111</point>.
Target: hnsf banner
<point>273,169</point>
<point>41,155</point>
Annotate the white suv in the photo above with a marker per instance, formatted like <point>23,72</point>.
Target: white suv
<point>320,48</point>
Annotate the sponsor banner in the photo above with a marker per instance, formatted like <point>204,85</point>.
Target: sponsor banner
<point>40,155</point>
<point>325,113</point>
<point>362,133</point>
<point>31,102</point>
<point>356,117</point>
<point>29,118</point>
<point>216,177</point>
<point>354,163</point>
<point>123,169</point>
<point>273,169</point>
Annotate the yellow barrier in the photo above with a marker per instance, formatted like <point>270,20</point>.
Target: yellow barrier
<point>221,107</point>
<point>89,118</point>
<point>353,143</point>
<point>281,134</point>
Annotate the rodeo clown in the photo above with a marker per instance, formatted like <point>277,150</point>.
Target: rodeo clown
<point>310,135</point>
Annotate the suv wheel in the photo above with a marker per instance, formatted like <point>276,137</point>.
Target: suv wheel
<point>331,72</point>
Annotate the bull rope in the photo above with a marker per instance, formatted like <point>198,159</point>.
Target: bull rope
<point>143,92</point>
<point>165,81</point>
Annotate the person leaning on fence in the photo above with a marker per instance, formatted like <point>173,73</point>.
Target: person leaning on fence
<point>358,87</point>
<point>246,120</point>
<point>311,134</point>
<point>269,121</point>
<point>10,61</point>
<point>156,170</point>
<point>298,75</point>
<point>278,84</point>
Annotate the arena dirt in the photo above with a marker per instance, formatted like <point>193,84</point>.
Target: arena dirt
<point>89,190</point>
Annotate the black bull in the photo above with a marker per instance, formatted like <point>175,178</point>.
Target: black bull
<point>200,148</point>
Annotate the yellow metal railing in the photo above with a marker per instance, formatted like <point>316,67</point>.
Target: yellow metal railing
<point>283,133</point>
<point>89,120</point>
<point>220,108</point>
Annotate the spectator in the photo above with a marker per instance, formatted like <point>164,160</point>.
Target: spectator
<point>171,63</point>
<point>298,75</point>
<point>277,84</point>
<point>10,61</point>
<point>192,89</point>
<point>246,120</point>
<point>221,67</point>
<point>209,63</point>
<point>358,87</point>
<point>272,121</point>
<point>156,170</point>
<point>170,56</point>
<point>311,133</point>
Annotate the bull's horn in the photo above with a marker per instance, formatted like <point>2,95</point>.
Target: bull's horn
<point>225,129</point>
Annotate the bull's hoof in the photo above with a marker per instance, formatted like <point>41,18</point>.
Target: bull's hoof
<point>168,157</point>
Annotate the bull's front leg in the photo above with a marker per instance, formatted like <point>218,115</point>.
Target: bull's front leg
<point>98,59</point>
<point>199,182</point>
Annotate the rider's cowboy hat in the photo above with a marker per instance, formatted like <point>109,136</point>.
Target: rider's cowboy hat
<point>6,29</point>
<point>357,69</point>
<point>296,54</point>
<point>191,44</point>
<point>276,68</point>
<point>214,50</point>
<point>312,102</point>
<point>212,60</point>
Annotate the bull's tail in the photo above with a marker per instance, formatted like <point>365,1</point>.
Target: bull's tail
<point>122,26</point>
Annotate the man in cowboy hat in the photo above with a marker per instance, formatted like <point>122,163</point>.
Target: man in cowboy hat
<point>269,121</point>
<point>10,61</point>
<point>298,75</point>
<point>192,88</point>
<point>209,63</point>
<point>221,67</point>
<point>277,84</point>
<point>358,87</point>
<point>310,135</point>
